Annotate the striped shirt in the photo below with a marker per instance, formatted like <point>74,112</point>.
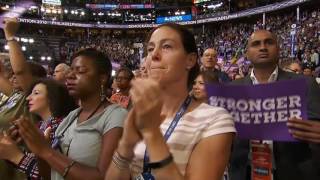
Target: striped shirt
<point>202,122</point>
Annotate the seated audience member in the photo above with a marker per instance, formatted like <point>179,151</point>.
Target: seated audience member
<point>198,90</point>
<point>161,100</point>
<point>209,62</point>
<point>60,73</point>
<point>123,78</point>
<point>16,90</point>
<point>85,140</point>
<point>51,102</point>
<point>290,160</point>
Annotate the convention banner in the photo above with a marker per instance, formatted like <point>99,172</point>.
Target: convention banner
<point>261,111</point>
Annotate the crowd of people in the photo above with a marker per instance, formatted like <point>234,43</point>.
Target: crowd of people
<point>229,39</point>
<point>155,123</point>
<point>120,49</point>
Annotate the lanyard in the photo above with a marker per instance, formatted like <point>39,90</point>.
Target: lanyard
<point>170,130</point>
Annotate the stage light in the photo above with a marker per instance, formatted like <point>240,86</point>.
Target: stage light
<point>23,48</point>
<point>66,11</point>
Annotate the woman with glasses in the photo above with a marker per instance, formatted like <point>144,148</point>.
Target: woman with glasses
<point>51,102</point>
<point>86,139</point>
<point>168,135</point>
<point>123,79</point>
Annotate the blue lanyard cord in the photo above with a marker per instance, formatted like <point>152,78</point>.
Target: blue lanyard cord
<point>170,129</point>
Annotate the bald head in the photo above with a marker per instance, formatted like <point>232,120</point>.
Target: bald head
<point>209,58</point>
<point>262,31</point>
<point>263,49</point>
<point>60,72</point>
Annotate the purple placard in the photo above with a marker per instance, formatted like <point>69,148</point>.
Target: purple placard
<point>261,111</point>
<point>19,8</point>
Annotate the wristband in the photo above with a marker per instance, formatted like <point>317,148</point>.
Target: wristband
<point>160,164</point>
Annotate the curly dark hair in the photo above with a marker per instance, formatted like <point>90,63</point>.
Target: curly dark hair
<point>60,102</point>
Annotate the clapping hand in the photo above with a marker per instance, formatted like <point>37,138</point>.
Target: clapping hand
<point>147,101</point>
<point>32,137</point>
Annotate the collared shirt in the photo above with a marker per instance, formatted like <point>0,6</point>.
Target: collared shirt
<point>272,78</point>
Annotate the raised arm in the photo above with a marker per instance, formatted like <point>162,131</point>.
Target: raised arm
<point>17,59</point>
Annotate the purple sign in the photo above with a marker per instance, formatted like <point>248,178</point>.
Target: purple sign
<point>261,111</point>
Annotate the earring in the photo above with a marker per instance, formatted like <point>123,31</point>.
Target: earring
<point>103,95</point>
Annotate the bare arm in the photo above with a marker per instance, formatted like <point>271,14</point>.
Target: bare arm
<point>38,145</point>
<point>17,59</point>
<point>58,161</point>
<point>126,145</point>
<point>208,160</point>
<point>114,172</point>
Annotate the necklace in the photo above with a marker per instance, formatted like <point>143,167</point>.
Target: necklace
<point>93,112</point>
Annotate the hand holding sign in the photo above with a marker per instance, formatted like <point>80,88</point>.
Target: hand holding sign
<point>307,130</point>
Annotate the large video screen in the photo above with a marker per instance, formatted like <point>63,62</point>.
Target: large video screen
<point>166,19</point>
<point>52,2</point>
